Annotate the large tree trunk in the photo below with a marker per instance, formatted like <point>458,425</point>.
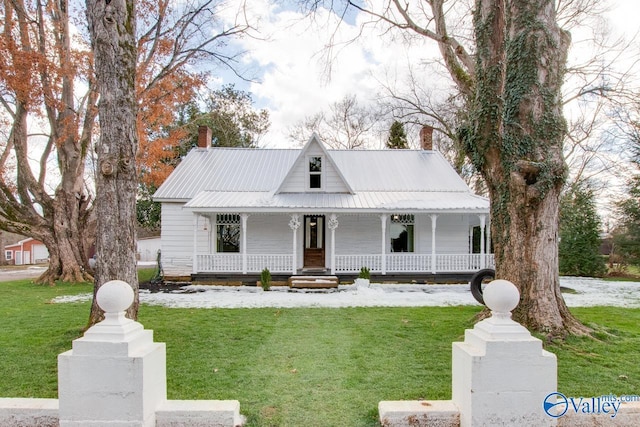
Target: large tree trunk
<point>515,140</point>
<point>41,80</point>
<point>112,29</point>
<point>68,255</point>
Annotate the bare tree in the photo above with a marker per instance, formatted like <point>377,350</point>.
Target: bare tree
<point>595,88</point>
<point>510,75</point>
<point>38,85</point>
<point>347,125</point>
<point>140,77</point>
<point>47,85</point>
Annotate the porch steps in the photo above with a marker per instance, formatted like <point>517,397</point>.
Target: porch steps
<point>314,282</point>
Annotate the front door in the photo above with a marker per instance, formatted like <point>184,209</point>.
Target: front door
<point>314,241</point>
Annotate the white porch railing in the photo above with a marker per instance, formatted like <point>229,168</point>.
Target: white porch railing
<point>353,263</point>
<point>395,263</point>
<point>232,263</point>
<point>278,263</point>
<point>413,263</point>
<point>470,262</point>
<point>408,263</point>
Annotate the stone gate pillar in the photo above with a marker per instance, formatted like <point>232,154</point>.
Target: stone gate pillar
<point>115,374</point>
<point>500,373</point>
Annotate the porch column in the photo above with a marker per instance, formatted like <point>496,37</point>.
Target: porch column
<point>294,224</point>
<point>488,249</point>
<point>434,219</point>
<point>243,232</point>
<point>383,251</point>
<point>333,224</point>
<point>483,223</point>
<point>194,264</point>
<point>211,228</point>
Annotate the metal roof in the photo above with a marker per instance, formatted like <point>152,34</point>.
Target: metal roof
<point>227,178</point>
<point>227,169</point>
<point>377,201</point>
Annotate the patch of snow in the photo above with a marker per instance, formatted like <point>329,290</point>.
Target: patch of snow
<point>588,292</point>
<point>592,292</point>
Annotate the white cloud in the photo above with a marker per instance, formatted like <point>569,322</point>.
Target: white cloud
<point>292,60</point>
<point>301,75</point>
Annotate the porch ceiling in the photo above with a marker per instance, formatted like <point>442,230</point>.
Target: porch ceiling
<point>371,201</point>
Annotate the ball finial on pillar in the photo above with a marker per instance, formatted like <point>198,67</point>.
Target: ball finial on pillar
<point>115,296</point>
<point>501,296</point>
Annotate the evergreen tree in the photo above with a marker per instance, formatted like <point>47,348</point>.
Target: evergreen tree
<point>397,136</point>
<point>626,238</point>
<point>579,248</point>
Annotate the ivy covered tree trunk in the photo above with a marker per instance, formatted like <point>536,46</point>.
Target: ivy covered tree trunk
<point>112,29</point>
<point>515,139</point>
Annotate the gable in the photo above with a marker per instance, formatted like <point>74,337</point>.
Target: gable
<point>314,171</point>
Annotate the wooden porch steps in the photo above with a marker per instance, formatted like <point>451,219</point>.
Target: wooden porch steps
<point>314,282</point>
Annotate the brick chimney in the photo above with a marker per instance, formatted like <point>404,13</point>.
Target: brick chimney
<point>204,137</point>
<point>426,137</point>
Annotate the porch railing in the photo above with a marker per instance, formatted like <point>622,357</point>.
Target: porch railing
<point>408,262</point>
<point>233,263</point>
<point>470,262</point>
<point>353,263</point>
<point>394,263</point>
<point>279,263</point>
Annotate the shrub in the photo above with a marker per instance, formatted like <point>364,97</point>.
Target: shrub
<point>265,279</point>
<point>364,273</point>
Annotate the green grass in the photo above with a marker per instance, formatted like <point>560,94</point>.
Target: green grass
<point>145,274</point>
<point>294,367</point>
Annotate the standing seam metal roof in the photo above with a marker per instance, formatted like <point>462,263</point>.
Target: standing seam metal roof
<point>241,170</point>
<point>228,179</point>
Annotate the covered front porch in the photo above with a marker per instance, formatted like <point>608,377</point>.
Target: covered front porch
<point>340,244</point>
<point>345,264</point>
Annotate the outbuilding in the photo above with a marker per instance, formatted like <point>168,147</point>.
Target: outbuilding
<point>27,251</point>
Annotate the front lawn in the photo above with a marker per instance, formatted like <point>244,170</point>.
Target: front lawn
<point>301,367</point>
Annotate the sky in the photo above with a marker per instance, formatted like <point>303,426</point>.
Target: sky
<point>292,79</point>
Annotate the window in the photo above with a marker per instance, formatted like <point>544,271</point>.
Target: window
<point>315,172</point>
<point>8,255</point>
<point>228,232</point>
<point>401,232</point>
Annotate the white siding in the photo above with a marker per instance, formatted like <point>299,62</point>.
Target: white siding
<point>357,234</point>
<point>177,234</point>
<point>452,234</point>
<point>269,234</point>
<point>298,180</point>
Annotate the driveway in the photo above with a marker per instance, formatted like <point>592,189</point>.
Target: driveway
<point>21,272</point>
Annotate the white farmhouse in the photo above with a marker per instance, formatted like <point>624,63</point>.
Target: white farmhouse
<point>235,211</point>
